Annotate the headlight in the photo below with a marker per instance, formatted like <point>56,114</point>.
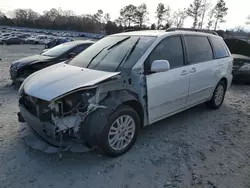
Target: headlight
<point>14,65</point>
<point>245,67</point>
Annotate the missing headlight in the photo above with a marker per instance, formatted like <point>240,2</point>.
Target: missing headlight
<point>75,102</point>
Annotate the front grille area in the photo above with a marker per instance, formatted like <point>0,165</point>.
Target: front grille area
<point>37,107</point>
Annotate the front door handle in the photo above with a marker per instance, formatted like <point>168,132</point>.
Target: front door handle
<point>193,70</point>
<point>184,72</point>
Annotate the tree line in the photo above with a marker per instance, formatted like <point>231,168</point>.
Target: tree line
<point>205,15</point>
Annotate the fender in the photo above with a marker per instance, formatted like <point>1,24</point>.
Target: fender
<point>92,127</point>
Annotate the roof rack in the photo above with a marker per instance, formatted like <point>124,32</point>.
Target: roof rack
<point>190,29</point>
<point>129,30</point>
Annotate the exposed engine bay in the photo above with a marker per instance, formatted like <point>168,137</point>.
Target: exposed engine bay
<point>65,114</point>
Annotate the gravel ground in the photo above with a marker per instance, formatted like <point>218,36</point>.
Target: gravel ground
<point>196,148</point>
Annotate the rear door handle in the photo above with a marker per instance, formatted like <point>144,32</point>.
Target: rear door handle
<point>193,70</point>
<point>184,72</point>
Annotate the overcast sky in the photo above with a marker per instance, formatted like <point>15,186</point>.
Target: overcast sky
<point>237,13</point>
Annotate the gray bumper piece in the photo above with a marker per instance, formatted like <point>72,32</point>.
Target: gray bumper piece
<point>33,135</point>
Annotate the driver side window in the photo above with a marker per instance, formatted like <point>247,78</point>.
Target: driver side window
<point>168,49</point>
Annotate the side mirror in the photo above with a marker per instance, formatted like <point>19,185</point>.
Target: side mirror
<point>71,55</point>
<point>160,66</point>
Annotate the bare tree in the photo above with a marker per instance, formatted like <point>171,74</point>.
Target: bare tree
<point>128,14</point>
<point>162,13</point>
<point>206,5</point>
<point>141,15</point>
<point>220,11</point>
<point>99,15</point>
<point>107,17</point>
<point>120,21</point>
<point>179,17</point>
<point>195,11</point>
<point>210,19</point>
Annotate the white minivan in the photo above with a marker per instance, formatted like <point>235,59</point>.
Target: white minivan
<point>123,82</point>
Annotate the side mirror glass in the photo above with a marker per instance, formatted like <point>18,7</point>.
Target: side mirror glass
<point>160,66</point>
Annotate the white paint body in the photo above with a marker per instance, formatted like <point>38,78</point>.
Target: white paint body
<point>56,80</point>
<point>168,92</point>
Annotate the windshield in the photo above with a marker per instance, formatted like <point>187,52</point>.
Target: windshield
<point>113,53</point>
<point>59,50</point>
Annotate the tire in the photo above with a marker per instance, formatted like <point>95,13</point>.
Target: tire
<point>124,112</point>
<point>217,98</point>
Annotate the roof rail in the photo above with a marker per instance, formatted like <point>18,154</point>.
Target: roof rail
<point>195,30</point>
<point>128,30</point>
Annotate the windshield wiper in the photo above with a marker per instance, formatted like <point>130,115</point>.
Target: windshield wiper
<point>128,54</point>
<point>109,48</point>
<point>119,42</point>
<point>96,55</point>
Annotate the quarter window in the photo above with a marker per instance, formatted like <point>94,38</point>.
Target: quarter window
<point>220,48</point>
<point>169,49</point>
<point>198,49</point>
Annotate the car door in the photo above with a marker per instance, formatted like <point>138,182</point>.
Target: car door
<point>203,69</point>
<point>167,92</point>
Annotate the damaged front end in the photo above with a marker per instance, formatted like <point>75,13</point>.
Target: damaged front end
<point>58,122</point>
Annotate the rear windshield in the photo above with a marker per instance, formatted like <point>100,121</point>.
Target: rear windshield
<point>113,53</point>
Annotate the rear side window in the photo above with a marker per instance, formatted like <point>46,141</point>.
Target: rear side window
<point>219,48</point>
<point>169,49</point>
<point>199,49</point>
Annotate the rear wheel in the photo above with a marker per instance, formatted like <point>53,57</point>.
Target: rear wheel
<point>120,132</point>
<point>218,96</point>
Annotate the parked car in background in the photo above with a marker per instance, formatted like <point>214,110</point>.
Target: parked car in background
<point>22,68</point>
<point>56,41</point>
<point>123,82</point>
<point>240,50</point>
<point>38,39</point>
<point>12,40</point>
<point>241,68</point>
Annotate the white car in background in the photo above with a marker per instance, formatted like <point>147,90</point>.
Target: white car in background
<point>122,83</point>
<point>39,39</point>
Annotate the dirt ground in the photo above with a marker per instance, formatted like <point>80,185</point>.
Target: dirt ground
<point>197,148</point>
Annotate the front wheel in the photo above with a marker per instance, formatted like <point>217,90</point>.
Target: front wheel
<point>120,132</point>
<point>218,96</point>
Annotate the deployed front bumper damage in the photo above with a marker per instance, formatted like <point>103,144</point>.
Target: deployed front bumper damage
<point>61,132</point>
<point>84,124</point>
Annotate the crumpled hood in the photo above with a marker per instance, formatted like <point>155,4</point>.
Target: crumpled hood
<point>32,59</point>
<point>56,80</point>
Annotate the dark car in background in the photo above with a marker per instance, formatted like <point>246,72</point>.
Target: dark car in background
<point>12,40</point>
<point>55,42</point>
<point>240,50</point>
<point>241,68</point>
<point>22,68</point>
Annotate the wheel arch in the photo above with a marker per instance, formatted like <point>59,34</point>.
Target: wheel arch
<point>93,124</point>
<point>224,79</point>
<point>136,105</point>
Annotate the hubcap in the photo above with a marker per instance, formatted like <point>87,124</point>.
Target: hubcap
<point>121,132</point>
<point>219,95</point>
